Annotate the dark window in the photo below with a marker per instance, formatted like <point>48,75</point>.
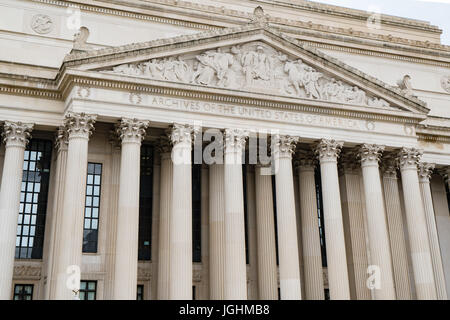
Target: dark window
<point>23,292</point>
<point>140,292</point>
<point>327,294</point>
<point>193,293</point>
<point>88,290</point>
<point>320,217</point>
<point>274,196</point>
<point>279,294</point>
<point>92,207</point>
<point>196,212</point>
<point>145,203</point>
<point>244,181</point>
<point>33,199</point>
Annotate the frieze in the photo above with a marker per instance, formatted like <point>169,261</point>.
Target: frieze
<point>445,83</point>
<point>252,66</point>
<point>259,113</point>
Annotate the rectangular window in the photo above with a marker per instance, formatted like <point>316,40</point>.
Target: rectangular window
<point>33,199</point>
<point>196,212</point>
<point>140,292</point>
<point>193,293</point>
<point>145,203</point>
<point>88,290</point>
<point>92,207</point>
<point>320,217</point>
<point>23,292</point>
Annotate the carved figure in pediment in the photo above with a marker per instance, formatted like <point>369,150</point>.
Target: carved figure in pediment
<point>153,68</point>
<point>204,72</point>
<point>377,102</point>
<point>256,65</point>
<point>296,71</point>
<point>311,79</point>
<point>355,95</point>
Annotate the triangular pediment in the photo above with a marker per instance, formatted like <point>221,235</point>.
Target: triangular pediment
<point>254,59</point>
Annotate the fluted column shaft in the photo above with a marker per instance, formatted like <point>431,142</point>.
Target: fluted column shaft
<point>180,234</point>
<point>216,231</point>
<point>16,137</point>
<point>69,251</point>
<point>377,231</point>
<point>265,233</point>
<point>328,151</point>
<point>165,207</point>
<point>417,225</point>
<point>131,132</point>
<point>155,221</point>
<point>312,256</point>
<point>235,279</point>
<point>425,171</point>
<point>112,217</point>
<point>54,231</point>
<point>290,288</point>
<point>396,232</point>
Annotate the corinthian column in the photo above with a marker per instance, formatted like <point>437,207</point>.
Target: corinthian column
<point>425,171</point>
<point>377,231</point>
<point>235,279</point>
<point>216,231</point>
<point>54,230</point>
<point>396,230</point>
<point>131,132</point>
<point>180,234</point>
<point>265,233</point>
<point>15,136</point>
<point>417,225</point>
<point>283,149</point>
<point>328,152</point>
<point>79,127</point>
<point>165,209</point>
<point>312,256</point>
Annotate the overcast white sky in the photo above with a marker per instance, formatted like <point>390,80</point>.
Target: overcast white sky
<point>435,11</point>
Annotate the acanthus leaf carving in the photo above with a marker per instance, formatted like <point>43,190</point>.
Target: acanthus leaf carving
<point>408,158</point>
<point>79,124</point>
<point>131,130</point>
<point>328,149</point>
<point>370,154</point>
<point>425,170</point>
<point>251,67</point>
<point>16,133</point>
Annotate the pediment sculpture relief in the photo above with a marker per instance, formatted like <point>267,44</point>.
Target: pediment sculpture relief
<point>253,66</point>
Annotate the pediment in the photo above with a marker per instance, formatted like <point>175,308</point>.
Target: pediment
<point>266,62</point>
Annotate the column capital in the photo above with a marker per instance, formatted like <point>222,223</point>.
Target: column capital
<point>163,144</point>
<point>79,125</point>
<point>389,166</point>
<point>61,139</point>
<point>131,130</point>
<point>370,154</point>
<point>408,158</point>
<point>425,171</point>
<point>235,139</point>
<point>305,160</point>
<point>328,149</point>
<point>16,134</point>
<point>284,145</point>
<point>348,162</point>
<point>182,133</point>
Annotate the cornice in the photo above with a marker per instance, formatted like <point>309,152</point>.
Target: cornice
<point>235,17</point>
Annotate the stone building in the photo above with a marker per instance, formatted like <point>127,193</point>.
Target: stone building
<point>329,129</point>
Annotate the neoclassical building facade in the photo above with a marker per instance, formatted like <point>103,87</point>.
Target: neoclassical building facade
<point>222,150</point>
